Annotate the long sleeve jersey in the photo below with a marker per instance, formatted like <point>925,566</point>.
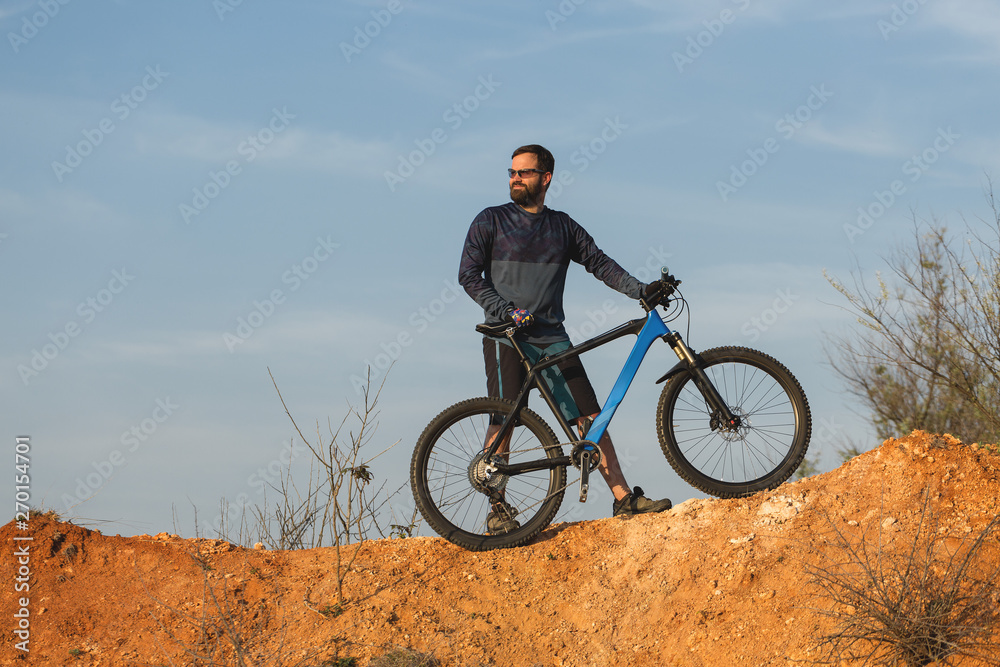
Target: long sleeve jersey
<point>516,259</point>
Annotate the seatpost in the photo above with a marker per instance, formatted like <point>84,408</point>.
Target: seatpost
<point>524,358</point>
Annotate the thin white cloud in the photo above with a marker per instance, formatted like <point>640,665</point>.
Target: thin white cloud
<point>691,14</point>
<point>417,76</point>
<point>67,206</point>
<point>333,152</point>
<point>978,19</point>
<point>161,348</point>
<point>320,330</point>
<point>14,9</point>
<point>982,152</point>
<point>159,133</point>
<point>190,137</point>
<point>216,143</point>
<point>869,139</point>
<point>975,22</point>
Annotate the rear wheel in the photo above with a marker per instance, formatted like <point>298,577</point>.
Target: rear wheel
<point>759,452</point>
<point>451,478</point>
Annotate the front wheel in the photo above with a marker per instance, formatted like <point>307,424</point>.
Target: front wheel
<point>452,481</point>
<point>761,451</point>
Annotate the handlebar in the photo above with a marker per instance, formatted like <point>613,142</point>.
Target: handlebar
<point>667,279</point>
<point>661,296</point>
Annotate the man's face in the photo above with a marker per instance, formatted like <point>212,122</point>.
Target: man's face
<point>528,190</point>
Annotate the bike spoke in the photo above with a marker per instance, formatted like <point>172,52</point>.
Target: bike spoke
<point>460,490</point>
<point>738,455</point>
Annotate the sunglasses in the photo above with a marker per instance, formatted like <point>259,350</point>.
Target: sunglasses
<point>524,172</point>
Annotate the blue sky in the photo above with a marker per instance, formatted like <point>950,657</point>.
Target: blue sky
<point>193,193</point>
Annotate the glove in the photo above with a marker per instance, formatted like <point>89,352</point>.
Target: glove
<point>520,317</point>
<point>655,293</point>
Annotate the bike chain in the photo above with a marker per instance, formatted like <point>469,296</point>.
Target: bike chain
<point>561,489</point>
<point>557,491</point>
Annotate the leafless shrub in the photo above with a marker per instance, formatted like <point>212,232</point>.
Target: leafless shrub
<point>224,629</point>
<point>337,504</point>
<point>404,657</point>
<point>917,602</point>
<point>927,354</point>
<point>336,507</point>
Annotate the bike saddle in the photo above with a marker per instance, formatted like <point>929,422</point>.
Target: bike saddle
<point>495,330</point>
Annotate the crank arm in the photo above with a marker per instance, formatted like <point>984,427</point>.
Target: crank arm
<point>584,475</point>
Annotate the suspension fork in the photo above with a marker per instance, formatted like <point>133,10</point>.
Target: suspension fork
<point>708,390</point>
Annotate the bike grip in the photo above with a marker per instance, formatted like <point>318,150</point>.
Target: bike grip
<point>664,273</point>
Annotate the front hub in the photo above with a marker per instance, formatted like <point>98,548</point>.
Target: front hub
<point>733,429</point>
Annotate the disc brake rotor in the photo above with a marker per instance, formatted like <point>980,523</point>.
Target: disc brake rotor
<point>732,433</point>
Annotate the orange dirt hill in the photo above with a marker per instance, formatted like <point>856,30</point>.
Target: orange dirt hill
<point>712,582</point>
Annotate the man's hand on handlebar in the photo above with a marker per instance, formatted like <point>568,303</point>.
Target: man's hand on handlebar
<point>658,292</point>
<point>654,288</point>
<point>655,294</point>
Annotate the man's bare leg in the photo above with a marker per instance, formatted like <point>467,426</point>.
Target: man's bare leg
<point>501,515</point>
<point>491,434</point>
<point>610,468</point>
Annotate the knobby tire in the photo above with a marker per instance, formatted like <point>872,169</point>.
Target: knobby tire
<point>443,488</point>
<point>771,442</point>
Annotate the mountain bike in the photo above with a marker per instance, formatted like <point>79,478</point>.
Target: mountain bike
<point>731,421</point>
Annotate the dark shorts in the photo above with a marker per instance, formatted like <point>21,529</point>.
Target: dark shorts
<point>568,381</point>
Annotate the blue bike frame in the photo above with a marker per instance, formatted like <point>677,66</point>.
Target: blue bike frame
<point>653,328</point>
